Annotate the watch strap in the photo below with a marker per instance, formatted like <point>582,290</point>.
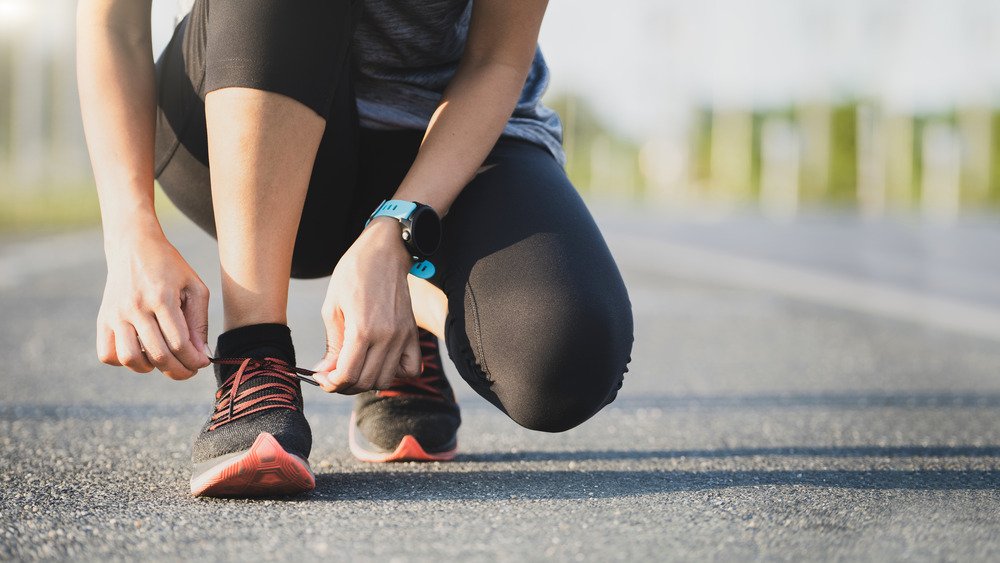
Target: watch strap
<point>396,208</point>
<point>401,210</point>
<point>423,269</point>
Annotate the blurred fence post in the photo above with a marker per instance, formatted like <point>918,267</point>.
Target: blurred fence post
<point>731,160</point>
<point>976,131</point>
<point>601,164</point>
<point>942,172</point>
<point>816,150</point>
<point>780,156</point>
<point>871,157</point>
<point>664,163</point>
<point>899,136</point>
<point>27,108</point>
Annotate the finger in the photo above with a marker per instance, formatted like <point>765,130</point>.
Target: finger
<point>106,346</point>
<point>349,364</point>
<point>410,359</point>
<point>178,338</point>
<point>323,379</point>
<point>194,306</point>
<point>330,357</point>
<point>393,366</point>
<point>157,351</point>
<point>370,373</point>
<point>129,351</point>
<point>389,370</point>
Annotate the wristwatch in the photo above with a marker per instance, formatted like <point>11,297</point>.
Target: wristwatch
<point>421,231</point>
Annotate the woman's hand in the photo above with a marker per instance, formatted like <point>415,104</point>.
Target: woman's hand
<point>370,331</point>
<point>155,308</point>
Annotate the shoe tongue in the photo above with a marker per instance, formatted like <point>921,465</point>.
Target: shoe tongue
<point>253,341</point>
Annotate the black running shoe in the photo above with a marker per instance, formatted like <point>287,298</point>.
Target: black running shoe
<point>257,441</point>
<point>415,419</point>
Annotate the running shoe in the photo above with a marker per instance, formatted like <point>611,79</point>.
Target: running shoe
<point>257,441</point>
<point>415,419</point>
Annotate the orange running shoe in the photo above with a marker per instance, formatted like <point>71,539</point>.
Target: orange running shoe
<point>415,419</point>
<point>257,441</point>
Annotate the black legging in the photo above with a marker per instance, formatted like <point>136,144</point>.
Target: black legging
<point>539,321</point>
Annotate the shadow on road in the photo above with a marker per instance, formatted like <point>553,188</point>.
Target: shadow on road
<point>21,410</point>
<point>793,451</point>
<point>834,400</point>
<point>503,485</point>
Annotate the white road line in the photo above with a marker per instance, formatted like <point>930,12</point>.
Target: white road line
<point>705,265</point>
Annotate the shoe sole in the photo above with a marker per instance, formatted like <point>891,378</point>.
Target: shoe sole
<point>265,469</point>
<point>409,449</point>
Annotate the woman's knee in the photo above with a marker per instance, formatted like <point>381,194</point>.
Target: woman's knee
<point>567,368</point>
<point>566,409</point>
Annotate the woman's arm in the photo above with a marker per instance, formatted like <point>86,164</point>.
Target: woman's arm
<point>371,335</point>
<point>154,311</point>
<point>118,101</point>
<point>477,104</point>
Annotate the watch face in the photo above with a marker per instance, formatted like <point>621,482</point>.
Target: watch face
<point>425,231</point>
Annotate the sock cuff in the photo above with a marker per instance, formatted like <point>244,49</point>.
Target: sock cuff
<point>242,340</point>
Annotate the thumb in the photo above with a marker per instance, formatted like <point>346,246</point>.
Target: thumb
<point>334,342</point>
<point>410,360</point>
<point>195,309</point>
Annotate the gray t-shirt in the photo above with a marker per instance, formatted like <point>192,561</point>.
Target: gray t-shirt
<point>406,53</point>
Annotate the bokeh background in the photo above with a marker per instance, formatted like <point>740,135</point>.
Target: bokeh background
<point>773,106</point>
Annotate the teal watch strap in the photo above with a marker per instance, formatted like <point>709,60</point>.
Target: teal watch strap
<point>423,269</point>
<point>395,208</point>
<point>400,210</point>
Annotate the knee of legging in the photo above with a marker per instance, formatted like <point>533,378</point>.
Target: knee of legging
<point>562,410</point>
<point>297,49</point>
<point>566,369</point>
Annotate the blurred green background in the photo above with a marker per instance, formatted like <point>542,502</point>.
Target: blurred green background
<point>877,107</point>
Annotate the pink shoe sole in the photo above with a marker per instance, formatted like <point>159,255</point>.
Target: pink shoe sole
<point>409,449</point>
<point>266,469</point>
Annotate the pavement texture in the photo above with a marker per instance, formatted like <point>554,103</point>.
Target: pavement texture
<point>822,389</point>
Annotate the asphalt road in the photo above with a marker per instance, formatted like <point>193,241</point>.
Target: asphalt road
<point>823,389</point>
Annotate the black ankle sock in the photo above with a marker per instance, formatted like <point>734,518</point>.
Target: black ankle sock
<point>258,341</point>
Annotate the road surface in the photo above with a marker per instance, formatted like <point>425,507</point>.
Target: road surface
<point>825,388</point>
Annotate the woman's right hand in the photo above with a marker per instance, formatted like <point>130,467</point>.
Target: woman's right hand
<point>155,308</point>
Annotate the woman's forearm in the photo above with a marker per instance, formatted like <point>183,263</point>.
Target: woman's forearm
<point>117,99</point>
<point>470,118</point>
<point>477,104</point>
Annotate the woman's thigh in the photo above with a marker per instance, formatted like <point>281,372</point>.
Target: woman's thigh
<point>297,49</point>
<point>539,320</point>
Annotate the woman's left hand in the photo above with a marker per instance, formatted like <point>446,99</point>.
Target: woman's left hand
<point>371,335</point>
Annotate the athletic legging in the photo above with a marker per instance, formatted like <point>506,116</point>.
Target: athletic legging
<point>539,321</point>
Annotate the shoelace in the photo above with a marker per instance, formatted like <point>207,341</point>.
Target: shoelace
<point>428,383</point>
<point>234,403</point>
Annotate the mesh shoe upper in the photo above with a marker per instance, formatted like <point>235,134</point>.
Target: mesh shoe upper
<point>259,391</point>
<point>423,407</point>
